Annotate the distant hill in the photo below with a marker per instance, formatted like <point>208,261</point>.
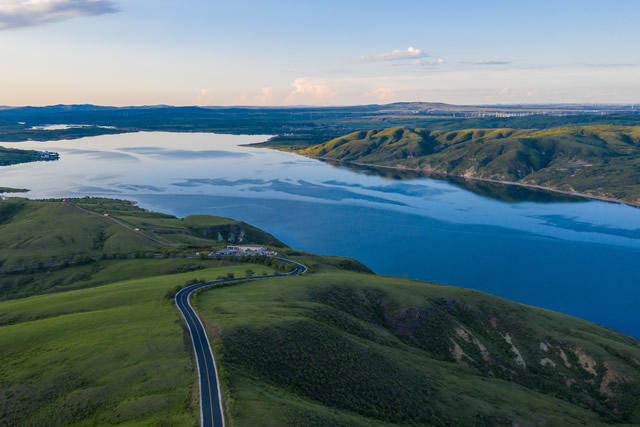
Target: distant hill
<point>298,126</point>
<point>600,161</point>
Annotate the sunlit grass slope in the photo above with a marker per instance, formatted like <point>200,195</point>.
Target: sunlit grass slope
<point>32,232</point>
<point>346,348</point>
<point>598,160</point>
<point>111,354</point>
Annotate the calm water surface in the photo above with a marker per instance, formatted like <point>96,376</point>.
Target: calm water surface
<point>577,257</point>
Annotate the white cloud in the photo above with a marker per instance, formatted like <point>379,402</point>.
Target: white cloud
<point>609,65</point>
<point>438,62</point>
<point>204,97</point>
<point>264,98</point>
<point>381,93</point>
<point>309,91</point>
<point>396,55</point>
<point>490,62</point>
<point>27,13</point>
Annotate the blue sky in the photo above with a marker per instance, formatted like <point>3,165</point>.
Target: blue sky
<point>244,52</point>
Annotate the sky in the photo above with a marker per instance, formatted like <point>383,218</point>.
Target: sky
<point>305,52</point>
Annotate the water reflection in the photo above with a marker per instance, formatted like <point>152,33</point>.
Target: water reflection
<point>546,249</point>
<point>503,192</point>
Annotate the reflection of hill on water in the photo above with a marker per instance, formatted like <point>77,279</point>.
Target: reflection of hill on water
<point>503,192</point>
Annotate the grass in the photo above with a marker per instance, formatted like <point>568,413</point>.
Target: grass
<point>34,232</point>
<point>346,348</point>
<point>23,284</point>
<point>113,354</point>
<point>598,160</point>
<point>192,230</point>
<point>100,342</point>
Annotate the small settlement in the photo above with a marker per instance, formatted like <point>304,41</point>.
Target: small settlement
<point>244,251</point>
<point>48,155</point>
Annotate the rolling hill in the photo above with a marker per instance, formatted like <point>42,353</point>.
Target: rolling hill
<point>338,347</point>
<point>100,342</point>
<point>36,235</point>
<point>34,231</point>
<point>598,161</point>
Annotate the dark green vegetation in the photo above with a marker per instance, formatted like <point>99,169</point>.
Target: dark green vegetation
<point>12,156</point>
<point>600,161</point>
<point>12,190</point>
<point>338,347</point>
<point>297,126</point>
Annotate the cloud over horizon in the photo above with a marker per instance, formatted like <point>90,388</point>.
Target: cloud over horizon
<point>29,13</point>
<point>264,98</point>
<point>381,93</point>
<point>203,98</point>
<point>309,91</point>
<point>490,62</point>
<point>395,55</point>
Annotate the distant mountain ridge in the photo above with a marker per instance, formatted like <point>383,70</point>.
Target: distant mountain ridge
<point>414,107</point>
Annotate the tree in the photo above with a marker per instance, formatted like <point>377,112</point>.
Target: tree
<point>249,272</point>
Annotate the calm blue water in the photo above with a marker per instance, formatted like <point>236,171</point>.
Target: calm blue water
<point>580,258</point>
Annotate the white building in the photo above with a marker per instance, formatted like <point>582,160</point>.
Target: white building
<point>245,250</point>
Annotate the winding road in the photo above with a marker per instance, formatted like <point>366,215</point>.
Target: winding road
<point>211,412</point>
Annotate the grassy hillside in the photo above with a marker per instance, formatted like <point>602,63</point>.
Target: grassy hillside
<point>116,353</point>
<point>346,348</point>
<point>100,342</point>
<point>602,161</point>
<point>35,232</point>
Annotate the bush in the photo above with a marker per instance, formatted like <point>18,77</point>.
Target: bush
<point>193,281</point>
<point>171,293</point>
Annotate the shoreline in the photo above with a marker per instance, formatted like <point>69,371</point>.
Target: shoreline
<point>426,173</point>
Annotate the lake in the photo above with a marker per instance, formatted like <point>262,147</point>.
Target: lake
<point>569,255</point>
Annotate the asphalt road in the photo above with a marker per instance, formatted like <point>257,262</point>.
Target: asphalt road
<point>211,413</point>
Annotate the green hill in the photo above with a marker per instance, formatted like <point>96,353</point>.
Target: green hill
<point>34,232</point>
<point>345,348</point>
<point>600,161</point>
<point>113,353</point>
<point>100,342</point>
